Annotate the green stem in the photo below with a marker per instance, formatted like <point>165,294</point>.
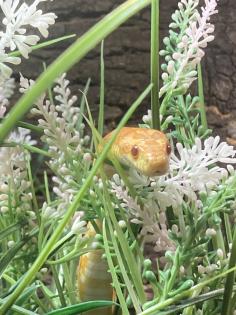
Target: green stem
<point>25,125</point>
<point>44,44</point>
<point>58,286</point>
<point>155,64</point>
<point>20,310</point>
<point>226,306</point>
<point>69,285</point>
<point>113,273</point>
<point>174,272</point>
<point>201,97</point>
<point>120,261</point>
<point>70,57</point>
<point>71,210</point>
<point>28,147</point>
<point>228,228</point>
<point>218,240</point>
<point>153,310</point>
<point>164,103</point>
<point>102,92</point>
<point>130,259</point>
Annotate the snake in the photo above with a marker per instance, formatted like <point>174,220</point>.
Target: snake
<point>146,150</point>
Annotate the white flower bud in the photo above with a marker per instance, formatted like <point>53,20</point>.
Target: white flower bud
<point>122,224</point>
<point>220,253</point>
<point>210,232</point>
<point>4,188</point>
<point>11,244</point>
<point>164,78</point>
<point>182,270</point>
<point>92,193</point>
<point>171,67</point>
<point>78,226</point>
<point>4,209</point>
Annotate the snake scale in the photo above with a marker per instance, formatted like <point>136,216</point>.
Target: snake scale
<point>147,150</point>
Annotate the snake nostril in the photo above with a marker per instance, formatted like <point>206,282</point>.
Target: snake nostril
<point>168,149</point>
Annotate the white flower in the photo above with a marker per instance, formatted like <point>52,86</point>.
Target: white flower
<point>18,18</point>
<point>21,135</point>
<point>194,35</point>
<point>78,225</point>
<point>6,90</point>
<point>63,135</point>
<point>192,170</point>
<point>152,221</point>
<point>14,179</point>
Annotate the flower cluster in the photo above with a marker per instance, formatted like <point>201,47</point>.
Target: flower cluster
<point>14,182</point>
<point>192,171</point>
<point>63,135</point>
<point>152,220</point>
<point>6,90</point>
<point>184,49</point>
<point>17,20</point>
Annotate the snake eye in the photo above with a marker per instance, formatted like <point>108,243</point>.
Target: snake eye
<point>134,151</point>
<point>168,149</point>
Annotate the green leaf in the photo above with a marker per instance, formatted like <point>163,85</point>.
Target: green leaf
<point>44,44</point>
<point>155,64</point>
<point>19,310</point>
<point>10,254</point>
<point>192,301</point>
<point>9,230</point>
<point>226,305</point>
<point>102,91</point>
<point>26,294</point>
<point>81,307</point>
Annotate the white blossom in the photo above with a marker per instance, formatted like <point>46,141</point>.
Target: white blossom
<point>64,137</point>
<point>14,176</point>
<point>78,225</point>
<point>152,221</point>
<point>192,170</point>
<point>18,19</point>
<point>195,32</point>
<point>6,90</point>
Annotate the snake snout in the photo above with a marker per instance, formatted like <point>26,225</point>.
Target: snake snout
<point>160,166</point>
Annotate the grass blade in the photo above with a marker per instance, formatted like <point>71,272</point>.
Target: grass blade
<point>226,305</point>
<point>102,92</point>
<point>9,230</point>
<point>155,106</point>
<point>201,97</point>
<point>186,303</point>
<point>44,44</point>
<point>9,255</point>
<point>113,273</point>
<point>82,307</point>
<point>20,310</point>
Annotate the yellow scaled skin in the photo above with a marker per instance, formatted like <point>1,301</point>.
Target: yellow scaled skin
<point>93,280</point>
<point>148,151</point>
<point>152,148</point>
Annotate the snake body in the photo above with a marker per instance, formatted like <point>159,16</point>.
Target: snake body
<point>146,150</point>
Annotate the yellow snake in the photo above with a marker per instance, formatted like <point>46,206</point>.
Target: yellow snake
<point>147,150</point>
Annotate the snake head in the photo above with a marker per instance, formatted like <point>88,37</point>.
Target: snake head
<point>147,150</point>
